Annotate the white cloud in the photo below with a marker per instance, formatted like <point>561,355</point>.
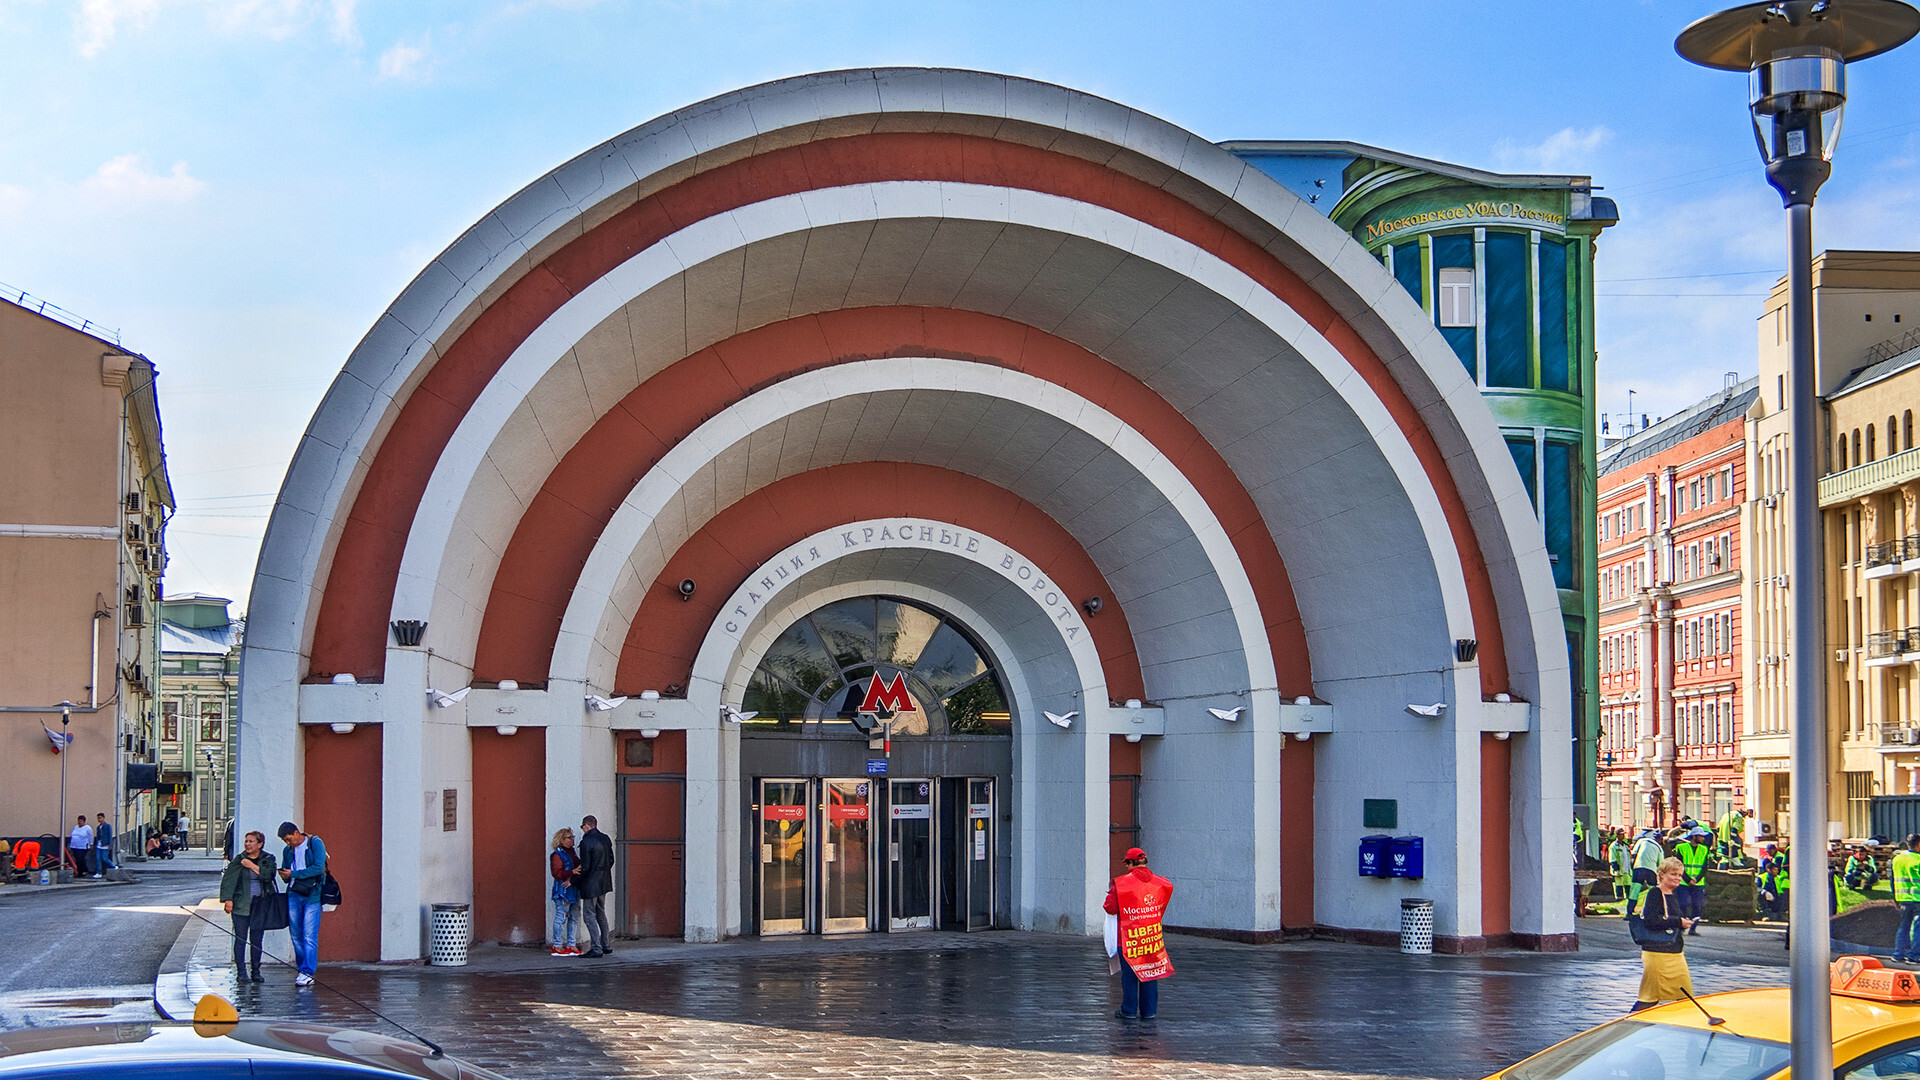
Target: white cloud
<point>97,21</point>
<point>126,179</point>
<point>1569,150</point>
<point>404,61</point>
<point>13,199</point>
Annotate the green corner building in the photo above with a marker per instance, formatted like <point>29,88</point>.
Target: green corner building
<point>1503,264</point>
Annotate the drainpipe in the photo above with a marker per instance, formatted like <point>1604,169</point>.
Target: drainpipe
<point>1663,637</point>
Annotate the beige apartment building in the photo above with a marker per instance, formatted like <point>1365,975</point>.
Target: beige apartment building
<point>1866,307</point>
<point>83,504</point>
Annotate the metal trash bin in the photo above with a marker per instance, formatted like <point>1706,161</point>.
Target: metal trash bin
<point>1416,926</point>
<point>447,938</point>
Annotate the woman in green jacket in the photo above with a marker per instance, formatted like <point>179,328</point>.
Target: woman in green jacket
<point>246,880</point>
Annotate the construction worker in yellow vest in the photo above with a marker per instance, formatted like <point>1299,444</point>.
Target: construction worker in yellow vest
<point>1619,861</point>
<point>1732,829</point>
<point>1647,855</point>
<point>1579,841</point>
<point>1693,852</point>
<point>1906,893</point>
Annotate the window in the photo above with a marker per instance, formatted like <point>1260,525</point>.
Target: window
<point>1856,446</point>
<point>1690,802</point>
<point>1906,424</point>
<point>1456,298</point>
<point>1557,370</point>
<point>1560,484</point>
<point>825,666</point>
<point>1522,449</point>
<point>1871,456</point>
<point>170,728</point>
<point>210,730</point>
<point>1509,320</point>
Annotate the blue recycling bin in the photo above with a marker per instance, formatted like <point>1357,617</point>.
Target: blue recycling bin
<point>1373,855</point>
<point>1406,857</point>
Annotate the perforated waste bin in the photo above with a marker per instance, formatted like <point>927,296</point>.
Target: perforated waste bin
<point>1416,926</point>
<point>448,935</point>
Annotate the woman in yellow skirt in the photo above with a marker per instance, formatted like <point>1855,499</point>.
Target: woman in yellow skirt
<point>1663,967</point>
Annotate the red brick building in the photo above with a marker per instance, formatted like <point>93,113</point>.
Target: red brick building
<point>1670,687</point>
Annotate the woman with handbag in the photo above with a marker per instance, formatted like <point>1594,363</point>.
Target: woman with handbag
<point>1658,929</point>
<point>562,863</point>
<point>248,894</point>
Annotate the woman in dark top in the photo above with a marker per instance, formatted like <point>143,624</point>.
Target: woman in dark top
<point>1664,975</point>
<point>246,879</point>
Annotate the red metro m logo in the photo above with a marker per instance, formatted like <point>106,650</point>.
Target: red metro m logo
<point>887,697</point>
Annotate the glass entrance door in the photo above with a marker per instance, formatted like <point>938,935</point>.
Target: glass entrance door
<point>910,850</point>
<point>846,865</point>
<point>786,855</point>
<point>979,853</point>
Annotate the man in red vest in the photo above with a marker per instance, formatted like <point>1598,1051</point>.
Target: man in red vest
<point>1139,898</point>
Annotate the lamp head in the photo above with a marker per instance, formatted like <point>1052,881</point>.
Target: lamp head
<point>1795,53</point>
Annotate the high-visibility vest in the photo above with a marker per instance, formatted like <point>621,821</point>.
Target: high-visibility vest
<point>1906,877</point>
<point>1693,862</point>
<point>1617,857</point>
<point>1647,854</point>
<point>1780,876</point>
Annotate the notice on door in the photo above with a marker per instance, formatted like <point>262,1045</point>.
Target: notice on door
<point>912,812</point>
<point>979,841</point>
<point>784,813</point>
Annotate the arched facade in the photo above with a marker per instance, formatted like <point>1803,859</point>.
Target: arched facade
<point>990,346</point>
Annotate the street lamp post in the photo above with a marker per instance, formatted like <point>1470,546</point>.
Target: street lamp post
<point>1795,53</point>
<point>66,744</point>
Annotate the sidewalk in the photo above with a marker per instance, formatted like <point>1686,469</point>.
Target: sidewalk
<point>1000,1003</point>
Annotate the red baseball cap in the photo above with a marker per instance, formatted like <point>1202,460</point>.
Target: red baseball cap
<point>1135,853</point>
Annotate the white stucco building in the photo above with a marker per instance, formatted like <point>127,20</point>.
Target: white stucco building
<point>971,400</point>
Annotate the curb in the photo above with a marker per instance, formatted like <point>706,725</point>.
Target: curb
<point>170,995</point>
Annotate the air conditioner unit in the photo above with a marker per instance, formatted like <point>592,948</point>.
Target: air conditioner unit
<point>134,502</point>
<point>1769,501</point>
<point>135,534</point>
<point>1913,736</point>
<point>1839,656</point>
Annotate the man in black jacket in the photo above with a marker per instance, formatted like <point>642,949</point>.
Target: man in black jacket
<point>594,880</point>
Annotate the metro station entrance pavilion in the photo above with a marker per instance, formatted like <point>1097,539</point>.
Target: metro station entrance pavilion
<point>880,497</point>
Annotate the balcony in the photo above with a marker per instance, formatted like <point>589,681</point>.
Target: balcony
<point>1896,737</point>
<point>1866,479</point>
<point>1886,644</point>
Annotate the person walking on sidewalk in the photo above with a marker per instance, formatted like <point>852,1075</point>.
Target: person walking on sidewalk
<point>1663,965</point>
<point>562,865</point>
<point>1139,898</point>
<point>80,848</point>
<point>1693,853</point>
<point>1906,893</point>
<point>594,882</point>
<point>1647,854</point>
<point>303,866</point>
<point>102,846</point>
<point>243,883</point>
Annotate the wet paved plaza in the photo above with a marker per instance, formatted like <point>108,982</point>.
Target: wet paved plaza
<point>989,1005</point>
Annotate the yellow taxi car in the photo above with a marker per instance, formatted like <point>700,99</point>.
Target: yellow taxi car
<point>1743,1035</point>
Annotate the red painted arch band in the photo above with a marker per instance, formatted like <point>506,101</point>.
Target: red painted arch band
<point>666,632</point>
<point>350,627</point>
<point>554,538</point>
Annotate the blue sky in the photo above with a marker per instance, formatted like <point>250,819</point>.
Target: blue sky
<point>241,186</point>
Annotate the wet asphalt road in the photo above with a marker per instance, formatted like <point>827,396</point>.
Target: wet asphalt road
<point>91,952</point>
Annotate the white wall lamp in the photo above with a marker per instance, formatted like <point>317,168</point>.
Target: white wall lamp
<point>505,729</point>
<point>341,729</point>
<point>650,733</point>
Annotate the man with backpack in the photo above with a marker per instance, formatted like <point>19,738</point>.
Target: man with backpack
<point>303,866</point>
